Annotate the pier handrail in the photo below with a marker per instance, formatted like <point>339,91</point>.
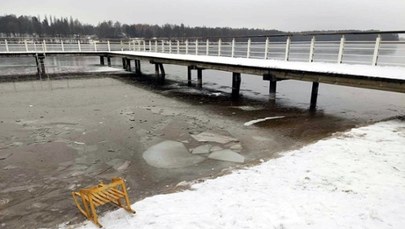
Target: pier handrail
<point>341,50</point>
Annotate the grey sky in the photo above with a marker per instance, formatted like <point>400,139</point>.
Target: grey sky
<point>287,15</point>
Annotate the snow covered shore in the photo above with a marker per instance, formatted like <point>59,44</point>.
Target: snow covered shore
<point>354,179</point>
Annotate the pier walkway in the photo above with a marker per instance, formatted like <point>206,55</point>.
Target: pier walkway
<point>377,64</point>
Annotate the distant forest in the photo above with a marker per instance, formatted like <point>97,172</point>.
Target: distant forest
<point>31,26</point>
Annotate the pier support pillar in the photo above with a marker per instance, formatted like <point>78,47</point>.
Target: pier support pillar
<point>138,67</point>
<point>108,61</point>
<point>273,88</point>
<point>189,76</point>
<point>128,65</point>
<point>199,78</point>
<point>101,60</point>
<point>314,95</point>
<point>124,63</point>
<point>160,73</point>
<point>236,81</point>
<point>39,60</point>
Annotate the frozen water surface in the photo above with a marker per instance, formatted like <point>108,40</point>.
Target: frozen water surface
<point>169,155</point>
<point>227,155</point>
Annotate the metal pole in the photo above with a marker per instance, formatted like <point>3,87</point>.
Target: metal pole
<point>233,48</point>
<point>150,46</point>
<point>248,48</point>
<point>170,46</point>
<point>44,45</point>
<point>156,46</point>
<point>109,46</point>
<point>196,47</point>
<point>163,46</point>
<point>95,46</point>
<point>144,45</point>
<point>6,43</point>
<point>219,46</point>
<point>266,49</point>
<point>314,95</point>
<point>207,51</point>
<point>26,46</point>
<point>341,48</point>
<point>186,47</point>
<point>62,45</point>
<point>311,50</point>
<point>178,47</point>
<point>122,46</point>
<point>376,49</point>
<point>287,48</point>
<point>79,46</point>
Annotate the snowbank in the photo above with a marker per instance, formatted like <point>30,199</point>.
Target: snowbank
<point>353,180</point>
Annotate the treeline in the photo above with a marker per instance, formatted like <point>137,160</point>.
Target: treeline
<point>29,26</point>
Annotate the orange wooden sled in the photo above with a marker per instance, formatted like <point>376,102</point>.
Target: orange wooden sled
<point>101,194</point>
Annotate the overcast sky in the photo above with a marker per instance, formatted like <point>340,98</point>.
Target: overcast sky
<point>287,15</point>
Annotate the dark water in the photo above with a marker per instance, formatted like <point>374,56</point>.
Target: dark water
<point>342,101</point>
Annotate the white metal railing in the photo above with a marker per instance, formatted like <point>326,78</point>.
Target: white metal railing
<point>378,52</point>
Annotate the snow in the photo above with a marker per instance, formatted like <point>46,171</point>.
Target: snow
<point>354,179</point>
<point>388,72</point>
<point>261,120</point>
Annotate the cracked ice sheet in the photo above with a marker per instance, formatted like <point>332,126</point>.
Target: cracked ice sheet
<point>352,180</point>
<point>261,120</point>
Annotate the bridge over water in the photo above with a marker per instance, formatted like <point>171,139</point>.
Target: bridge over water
<point>377,64</point>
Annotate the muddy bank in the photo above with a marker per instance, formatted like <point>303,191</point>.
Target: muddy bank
<point>59,135</point>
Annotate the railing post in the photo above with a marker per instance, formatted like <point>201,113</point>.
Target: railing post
<point>207,51</point>
<point>6,43</point>
<point>376,49</point>
<point>341,48</point>
<point>248,48</point>
<point>44,45</point>
<point>186,47</point>
<point>26,45</point>
<point>121,46</point>
<point>144,45</point>
<point>266,49</point>
<point>62,46</point>
<point>178,47</point>
<point>287,48</point>
<point>156,46</point>
<point>150,46</point>
<point>170,46</point>
<point>109,46</point>
<point>233,48</point>
<point>163,46</point>
<point>95,46</point>
<point>196,47</point>
<point>79,46</point>
<point>134,45</point>
<point>311,50</point>
<point>219,46</point>
<point>35,46</point>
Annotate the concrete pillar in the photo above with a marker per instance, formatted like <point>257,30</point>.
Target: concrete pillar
<point>124,63</point>
<point>109,61</point>
<point>128,65</point>
<point>236,81</point>
<point>314,95</point>
<point>189,76</point>
<point>101,60</point>
<point>273,88</point>
<point>138,67</point>
<point>42,64</point>
<point>199,78</point>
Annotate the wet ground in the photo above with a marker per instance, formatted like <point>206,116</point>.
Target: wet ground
<point>63,133</point>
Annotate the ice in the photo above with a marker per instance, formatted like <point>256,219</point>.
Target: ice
<point>227,155</point>
<point>202,149</point>
<point>211,137</point>
<point>169,155</point>
<point>216,148</point>
<point>261,120</point>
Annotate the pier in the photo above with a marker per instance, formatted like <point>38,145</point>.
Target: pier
<point>363,64</point>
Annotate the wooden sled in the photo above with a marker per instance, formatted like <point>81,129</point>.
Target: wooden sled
<point>101,194</point>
